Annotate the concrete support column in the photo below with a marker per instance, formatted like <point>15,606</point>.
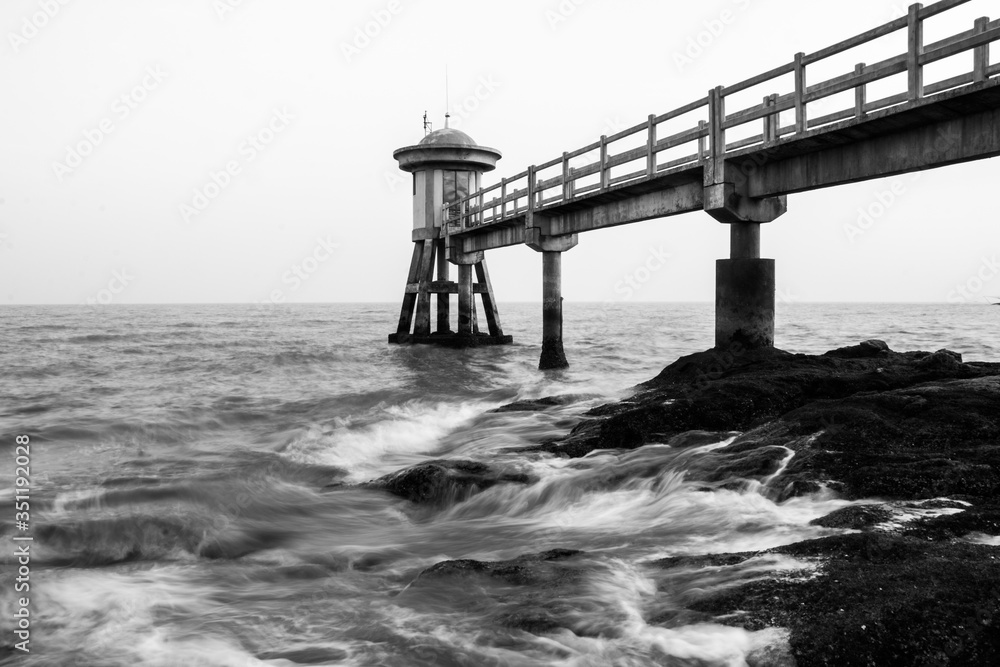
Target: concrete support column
<point>744,283</point>
<point>744,303</point>
<point>443,300</point>
<point>745,240</point>
<point>553,355</point>
<point>465,302</point>
<point>552,248</point>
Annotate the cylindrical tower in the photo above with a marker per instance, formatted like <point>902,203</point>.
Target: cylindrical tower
<point>447,166</point>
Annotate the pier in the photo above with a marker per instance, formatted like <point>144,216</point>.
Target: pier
<point>735,161</point>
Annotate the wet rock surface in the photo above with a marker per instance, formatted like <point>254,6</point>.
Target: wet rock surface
<point>880,599</point>
<point>547,568</point>
<point>445,482</point>
<point>855,517</point>
<point>537,588</point>
<point>867,423</point>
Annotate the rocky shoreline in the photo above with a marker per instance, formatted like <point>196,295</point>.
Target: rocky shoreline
<point>913,579</point>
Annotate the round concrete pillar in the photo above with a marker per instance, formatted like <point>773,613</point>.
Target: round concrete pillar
<point>744,240</point>
<point>744,303</point>
<point>553,356</point>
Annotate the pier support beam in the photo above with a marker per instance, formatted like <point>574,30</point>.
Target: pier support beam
<point>443,299</point>
<point>744,283</point>
<point>553,355</point>
<point>466,306</point>
<point>552,247</point>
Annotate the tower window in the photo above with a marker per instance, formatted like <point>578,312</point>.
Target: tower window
<point>456,185</point>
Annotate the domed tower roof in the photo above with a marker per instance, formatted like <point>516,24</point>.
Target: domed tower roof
<point>447,148</point>
<point>447,137</point>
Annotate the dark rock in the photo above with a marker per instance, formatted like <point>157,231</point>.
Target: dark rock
<point>984,518</point>
<point>308,656</point>
<point>793,486</point>
<point>865,420</point>
<point>537,590</point>
<point>445,482</point>
<point>879,600</point>
<point>543,569</point>
<point>736,389</point>
<point>540,404</point>
<point>708,560</point>
<point>866,350</point>
<point>855,517</point>
<point>926,441</point>
<point>942,359</point>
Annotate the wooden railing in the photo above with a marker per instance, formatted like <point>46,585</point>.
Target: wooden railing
<point>557,182</point>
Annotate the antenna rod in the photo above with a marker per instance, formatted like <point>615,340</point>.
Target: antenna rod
<point>447,97</point>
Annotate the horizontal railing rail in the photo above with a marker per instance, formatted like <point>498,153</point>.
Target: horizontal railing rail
<point>558,181</point>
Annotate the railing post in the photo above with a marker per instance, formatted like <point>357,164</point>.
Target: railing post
<point>651,148</point>
<point>916,49</point>
<point>771,120</point>
<point>717,127</point>
<point>703,140</point>
<point>801,120</point>
<point>482,207</point>
<point>567,182</point>
<point>531,188</point>
<point>982,53</point>
<point>503,199</point>
<point>539,192</point>
<point>767,119</point>
<point>605,175</point>
<point>860,93</point>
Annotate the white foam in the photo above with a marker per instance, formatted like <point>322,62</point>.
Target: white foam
<point>640,498</point>
<point>982,538</point>
<point>619,597</point>
<point>903,513</point>
<point>74,497</point>
<point>367,452</point>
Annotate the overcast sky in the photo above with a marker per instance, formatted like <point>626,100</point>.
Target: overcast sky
<point>119,112</point>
